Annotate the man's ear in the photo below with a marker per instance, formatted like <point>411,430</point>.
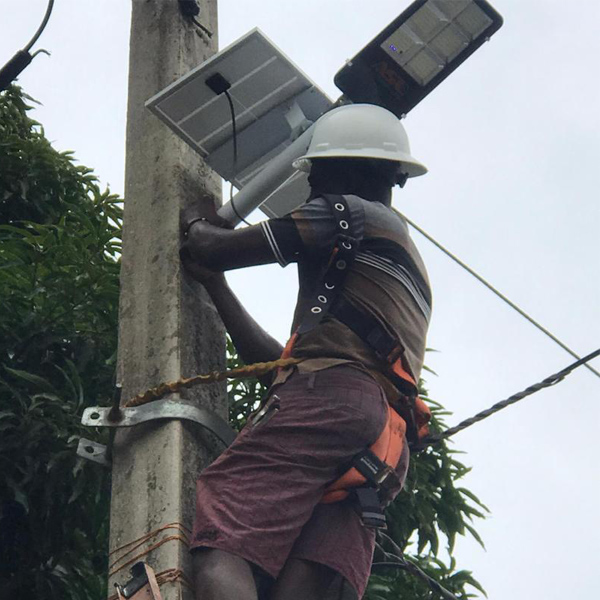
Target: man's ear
<point>401,179</point>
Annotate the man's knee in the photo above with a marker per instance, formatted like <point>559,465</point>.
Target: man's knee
<point>302,579</point>
<point>219,574</point>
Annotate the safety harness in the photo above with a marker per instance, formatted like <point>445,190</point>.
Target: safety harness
<point>371,477</point>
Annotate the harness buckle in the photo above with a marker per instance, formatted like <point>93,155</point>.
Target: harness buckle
<point>377,472</point>
<point>369,508</point>
<point>384,476</point>
<point>395,354</point>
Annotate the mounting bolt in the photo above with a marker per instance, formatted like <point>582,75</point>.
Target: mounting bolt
<point>116,414</point>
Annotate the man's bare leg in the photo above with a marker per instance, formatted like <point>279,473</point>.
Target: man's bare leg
<point>219,575</point>
<point>302,580</point>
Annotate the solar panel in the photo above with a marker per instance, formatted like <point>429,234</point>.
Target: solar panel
<point>273,101</point>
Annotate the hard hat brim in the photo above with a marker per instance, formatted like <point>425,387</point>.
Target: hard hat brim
<point>409,165</point>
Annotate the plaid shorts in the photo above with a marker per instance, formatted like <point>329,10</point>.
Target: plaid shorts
<point>261,498</point>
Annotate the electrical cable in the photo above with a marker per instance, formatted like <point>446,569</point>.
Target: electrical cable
<point>498,293</point>
<point>22,59</point>
<point>399,561</point>
<point>235,155</point>
<point>41,51</point>
<point>484,414</point>
<point>191,10</point>
<point>207,31</point>
<point>41,28</point>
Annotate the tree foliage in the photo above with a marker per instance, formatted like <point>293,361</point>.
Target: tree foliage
<point>59,242</point>
<point>59,249</point>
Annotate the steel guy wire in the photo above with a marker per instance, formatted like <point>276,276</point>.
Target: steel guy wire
<point>498,293</point>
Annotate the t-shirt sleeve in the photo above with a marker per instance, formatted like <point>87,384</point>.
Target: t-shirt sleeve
<point>307,232</point>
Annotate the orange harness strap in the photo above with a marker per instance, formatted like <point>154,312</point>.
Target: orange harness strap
<point>421,412</point>
<point>388,448</point>
<point>287,351</point>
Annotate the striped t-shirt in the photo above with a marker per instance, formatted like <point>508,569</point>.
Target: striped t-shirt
<point>388,279</point>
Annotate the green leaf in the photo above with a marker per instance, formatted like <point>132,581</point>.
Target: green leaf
<point>31,378</point>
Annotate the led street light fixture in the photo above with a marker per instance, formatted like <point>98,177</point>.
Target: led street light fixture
<point>416,52</point>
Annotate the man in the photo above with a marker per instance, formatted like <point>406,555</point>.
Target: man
<point>259,511</point>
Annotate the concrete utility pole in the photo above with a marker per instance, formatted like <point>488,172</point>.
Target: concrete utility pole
<point>168,327</point>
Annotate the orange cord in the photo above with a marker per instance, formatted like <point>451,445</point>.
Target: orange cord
<point>134,545</point>
<point>185,530</point>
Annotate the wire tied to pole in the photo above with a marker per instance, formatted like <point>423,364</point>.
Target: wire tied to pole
<point>147,539</point>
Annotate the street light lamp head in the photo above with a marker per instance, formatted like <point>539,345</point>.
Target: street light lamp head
<point>416,52</point>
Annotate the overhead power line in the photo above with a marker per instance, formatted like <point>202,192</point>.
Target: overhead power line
<point>484,414</point>
<point>498,293</point>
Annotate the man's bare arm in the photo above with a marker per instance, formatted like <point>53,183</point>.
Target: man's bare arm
<point>220,249</point>
<point>252,342</point>
<point>209,250</point>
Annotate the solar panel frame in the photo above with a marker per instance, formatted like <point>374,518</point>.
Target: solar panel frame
<point>265,86</point>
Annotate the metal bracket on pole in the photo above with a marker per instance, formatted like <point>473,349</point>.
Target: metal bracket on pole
<point>93,451</point>
<point>101,416</point>
<point>297,120</point>
<point>98,416</point>
<point>278,170</point>
<point>268,180</point>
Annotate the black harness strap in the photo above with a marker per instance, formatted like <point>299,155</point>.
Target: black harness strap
<point>327,298</point>
<point>374,495</point>
<point>343,253</point>
<point>370,330</point>
<point>373,469</point>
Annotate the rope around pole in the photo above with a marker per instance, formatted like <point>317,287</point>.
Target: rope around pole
<point>548,382</point>
<point>247,371</point>
<point>126,549</point>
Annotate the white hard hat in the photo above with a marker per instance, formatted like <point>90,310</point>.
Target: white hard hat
<point>361,131</point>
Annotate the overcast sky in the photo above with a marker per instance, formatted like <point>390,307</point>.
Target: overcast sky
<point>511,140</point>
